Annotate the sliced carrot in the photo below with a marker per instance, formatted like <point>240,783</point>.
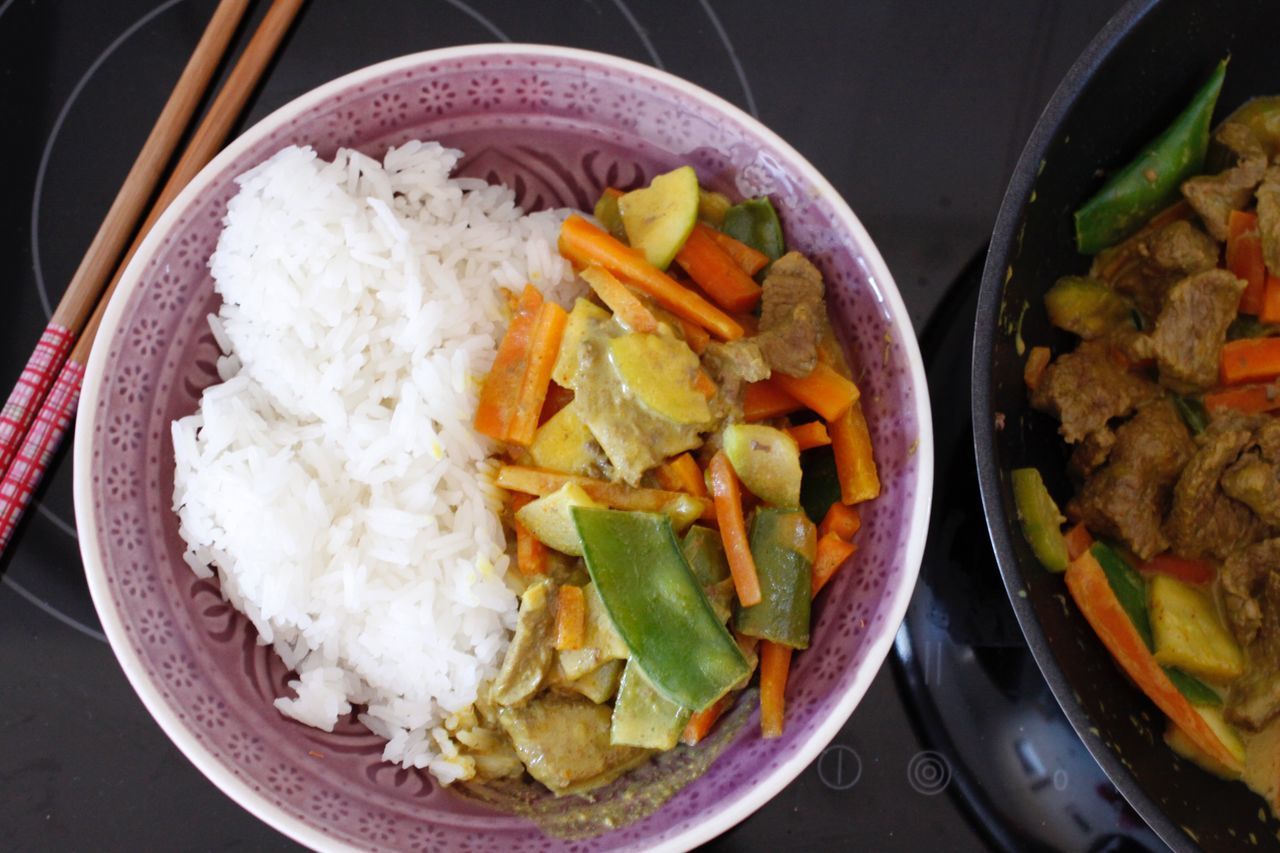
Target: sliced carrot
<point>621,301</point>
<point>1093,595</point>
<point>1184,569</point>
<point>570,618</point>
<point>1037,361</point>
<point>1271,301</point>
<point>700,724</point>
<point>682,474</point>
<point>531,554</point>
<point>1249,399</point>
<point>855,461</point>
<point>810,435</point>
<point>823,390</point>
<point>841,520</point>
<point>775,661</point>
<point>832,553</point>
<point>716,272</point>
<point>501,389</point>
<point>1250,360</point>
<point>694,335</point>
<point>1078,539</point>
<point>764,400</point>
<point>557,398</point>
<point>537,378</point>
<point>585,244</point>
<point>727,495</point>
<point>704,385</point>
<point>1245,259</point>
<point>536,481</point>
<point>751,260</point>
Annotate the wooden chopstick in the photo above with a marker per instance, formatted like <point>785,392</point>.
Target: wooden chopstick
<point>50,423</point>
<point>86,286</point>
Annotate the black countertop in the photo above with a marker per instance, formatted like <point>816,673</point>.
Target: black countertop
<point>915,110</point>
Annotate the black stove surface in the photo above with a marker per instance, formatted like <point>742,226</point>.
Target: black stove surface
<point>916,112</point>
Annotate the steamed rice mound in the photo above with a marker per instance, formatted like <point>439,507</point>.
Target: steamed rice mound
<point>332,480</point>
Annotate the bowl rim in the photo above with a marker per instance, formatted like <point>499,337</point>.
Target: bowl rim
<point>197,752</point>
<point>986,326</point>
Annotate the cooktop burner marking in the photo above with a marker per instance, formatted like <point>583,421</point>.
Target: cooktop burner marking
<point>641,32</point>
<point>839,767</point>
<point>479,19</point>
<point>929,773</point>
<point>733,57</point>
<point>53,136</point>
<point>49,609</point>
<point>55,519</point>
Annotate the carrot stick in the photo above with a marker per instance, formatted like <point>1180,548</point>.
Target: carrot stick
<point>622,302</point>
<point>536,481</point>
<point>1249,399</point>
<point>832,552</point>
<point>682,474</point>
<point>703,384</point>
<point>775,660</point>
<point>810,435</point>
<point>1093,595</point>
<point>823,390</point>
<point>841,520</point>
<point>531,554</point>
<point>501,389</point>
<point>699,725</point>
<point>727,495</point>
<point>764,400</point>
<point>537,378</point>
<point>1250,360</point>
<point>1079,540</point>
<point>694,335</point>
<point>1037,361</point>
<point>570,619</point>
<point>1245,259</point>
<point>748,258</point>
<point>716,272</point>
<point>584,244</point>
<point>855,462</point>
<point>1184,569</point>
<point>1271,301</point>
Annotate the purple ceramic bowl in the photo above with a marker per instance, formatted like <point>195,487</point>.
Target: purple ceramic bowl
<point>557,125</point>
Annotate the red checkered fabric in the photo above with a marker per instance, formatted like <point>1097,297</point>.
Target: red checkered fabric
<point>46,432</point>
<point>29,393</point>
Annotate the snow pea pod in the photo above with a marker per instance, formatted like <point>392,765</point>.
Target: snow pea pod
<point>783,543</point>
<point>657,605</point>
<point>1150,182</point>
<point>755,223</point>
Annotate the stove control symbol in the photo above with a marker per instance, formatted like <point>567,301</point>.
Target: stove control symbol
<point>929,773</point>
<point>839,767</point>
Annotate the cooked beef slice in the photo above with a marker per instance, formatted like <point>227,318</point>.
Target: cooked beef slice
<point>732,366</point>
<point>1254,479</point>
<point>792,314</point>
<point>1091,454</point>
<point>1086,388</point>
<point>1204,520</point>
<point>1254,700</point>
<point>1191,329</point>
<point>1244,579</point>
<point>1127,499</point>
<point>1157,259</point>
<point>1269,218</point>
<point>1213,197</point>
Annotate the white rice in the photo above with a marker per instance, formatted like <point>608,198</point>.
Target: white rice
<point>333,480</point>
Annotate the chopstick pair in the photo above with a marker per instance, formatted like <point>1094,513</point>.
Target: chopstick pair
<point>38,412</point>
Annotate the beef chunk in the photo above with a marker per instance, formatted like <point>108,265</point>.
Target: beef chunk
<point>732,365</point>
<point>1086,388</point>
<point>1213,197</point>
<point>1091,454</point>
<point>1204,520</point>
<point>792,315</point>
<point>1191,329</point>
<point>1145,266</point>
<point>1244,580</point>
<point>1254,700</point>
<point>1128,498</point>
<point>1254,479</point>
<point>1269,218</point>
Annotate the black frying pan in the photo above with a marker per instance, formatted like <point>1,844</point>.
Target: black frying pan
<point>1131,81</point>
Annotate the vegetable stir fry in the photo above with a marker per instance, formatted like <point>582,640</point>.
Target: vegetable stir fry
<point>1172,544</point>
<point>657,436</point>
